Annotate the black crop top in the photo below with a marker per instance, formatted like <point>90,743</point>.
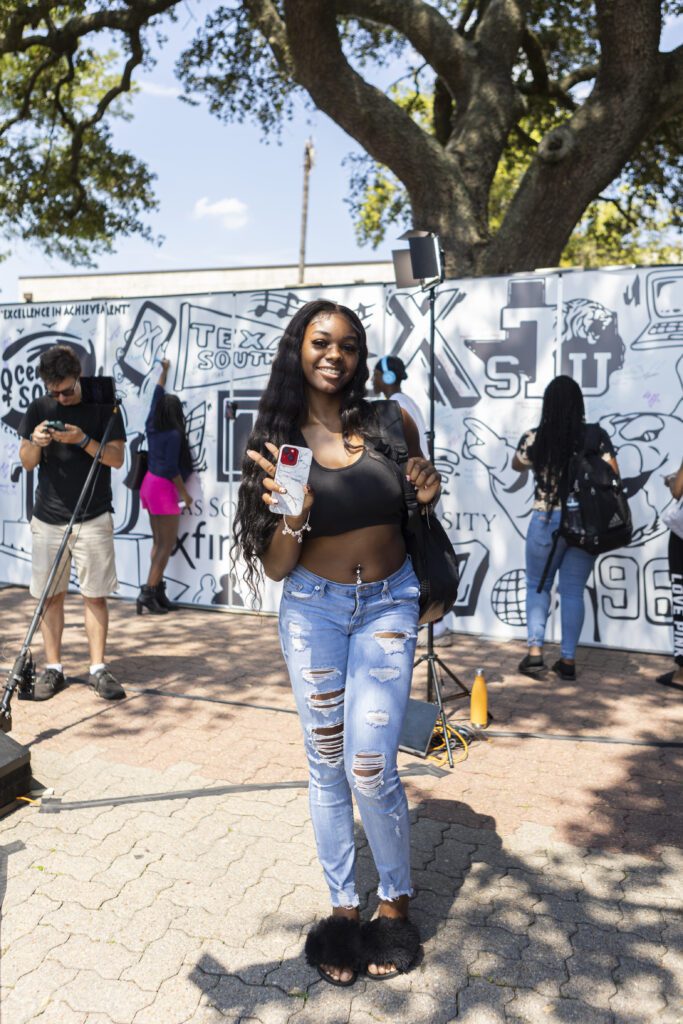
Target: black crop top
<point>369,492</point>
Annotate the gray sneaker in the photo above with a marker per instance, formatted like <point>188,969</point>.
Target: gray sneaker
<point>106,685</point>
<point>47,683</point>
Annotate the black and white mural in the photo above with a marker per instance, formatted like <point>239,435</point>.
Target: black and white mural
<point>499,341</point>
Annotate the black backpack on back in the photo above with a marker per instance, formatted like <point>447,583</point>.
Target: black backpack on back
<point>602,520</point>
<point>595,514</point>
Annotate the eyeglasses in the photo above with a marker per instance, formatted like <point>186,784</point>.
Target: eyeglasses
<point>65,392</point>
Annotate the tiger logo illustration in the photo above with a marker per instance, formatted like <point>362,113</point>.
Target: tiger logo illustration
<point>591,348</point>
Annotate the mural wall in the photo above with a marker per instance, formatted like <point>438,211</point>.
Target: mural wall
<point>498,343</point>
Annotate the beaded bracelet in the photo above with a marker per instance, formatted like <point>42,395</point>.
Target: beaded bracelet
<point>299,534</point>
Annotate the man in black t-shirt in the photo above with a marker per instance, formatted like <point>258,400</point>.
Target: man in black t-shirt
<point>61,434</point>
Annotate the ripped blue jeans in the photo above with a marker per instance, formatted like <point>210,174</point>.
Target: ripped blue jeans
<point>349,651</point>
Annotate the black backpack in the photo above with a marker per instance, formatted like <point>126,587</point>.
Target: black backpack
<point>595,514</point>
<point>431,552</point>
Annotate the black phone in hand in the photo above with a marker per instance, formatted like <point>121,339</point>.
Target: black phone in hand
<point>54,425</point>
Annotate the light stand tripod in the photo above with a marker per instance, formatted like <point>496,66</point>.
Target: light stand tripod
<point>426,268</point>
<point>22,673</point>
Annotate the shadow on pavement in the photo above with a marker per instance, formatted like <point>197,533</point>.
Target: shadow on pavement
<point>529,931</point>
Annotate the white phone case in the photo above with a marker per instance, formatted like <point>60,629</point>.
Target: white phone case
<point>293,479</point>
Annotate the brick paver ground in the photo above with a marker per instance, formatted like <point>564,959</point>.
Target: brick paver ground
<point>172,877</point>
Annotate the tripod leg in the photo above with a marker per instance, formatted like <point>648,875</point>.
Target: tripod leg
<point>437,690</point>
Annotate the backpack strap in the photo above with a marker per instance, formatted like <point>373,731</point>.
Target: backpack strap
<point>389,440</point>
<point>591,440</point>
<point>387,435</point>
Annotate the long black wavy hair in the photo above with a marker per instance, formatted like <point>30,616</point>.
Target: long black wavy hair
<point>283,409</point>
<point>559,436</point>
<point>169,415</point>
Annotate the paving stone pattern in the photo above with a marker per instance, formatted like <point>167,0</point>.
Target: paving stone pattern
<point>172,876</point>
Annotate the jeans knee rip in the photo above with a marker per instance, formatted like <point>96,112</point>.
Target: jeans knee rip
<point>328,744</point>
<point>319,675</point>
<point>325,703</point>
<point>384,675</point>
<point>377,718</point>
<point>391,643</point>
<point>368,772</point>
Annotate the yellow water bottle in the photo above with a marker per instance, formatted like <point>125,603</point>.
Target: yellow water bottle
<point>479,711</point>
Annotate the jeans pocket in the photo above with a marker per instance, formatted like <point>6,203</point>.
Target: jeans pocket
<point>298,591</point>
<point>406,591</point>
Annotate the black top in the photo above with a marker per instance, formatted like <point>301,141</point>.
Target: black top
<point>595,440</point>
<point>63,468</point>
<point>165,451</point>
<point>369,492</point>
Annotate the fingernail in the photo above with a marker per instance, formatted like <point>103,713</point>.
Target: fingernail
<point>274,501</point>
<point>283,490</point>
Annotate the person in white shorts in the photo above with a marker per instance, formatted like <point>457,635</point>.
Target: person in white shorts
<point>389,373</point>
<point>63,458</point>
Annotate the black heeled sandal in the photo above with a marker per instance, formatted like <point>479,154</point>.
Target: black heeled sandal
<point>334,942</point>
<point>389,940</point>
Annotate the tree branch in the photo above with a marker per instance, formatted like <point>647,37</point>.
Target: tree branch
<point>576,161</point>
<point>537,65</point>
<point>266,17</point>
<point>60,39</point>
<point>670,102</point>
<point>482,125</point>
<point>428,31</point>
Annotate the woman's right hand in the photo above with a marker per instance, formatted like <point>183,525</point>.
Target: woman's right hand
<point>270,488</point>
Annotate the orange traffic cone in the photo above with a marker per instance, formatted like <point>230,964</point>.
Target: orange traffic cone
<point>479,711</point>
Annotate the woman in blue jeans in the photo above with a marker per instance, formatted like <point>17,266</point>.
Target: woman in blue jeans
<point>547,451</point>
<point>348,621</point>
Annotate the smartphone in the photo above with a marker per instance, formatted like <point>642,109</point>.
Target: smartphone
<point>54,425</point>
<point>291,472</point>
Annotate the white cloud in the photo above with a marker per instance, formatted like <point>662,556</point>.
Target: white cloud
<point>232,213</point>
<point>154,89</point>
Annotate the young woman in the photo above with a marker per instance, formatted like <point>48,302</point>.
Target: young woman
<point>675,678</point>
<point>547,451</point>
<point>163,492</point>
<point>348,621</point>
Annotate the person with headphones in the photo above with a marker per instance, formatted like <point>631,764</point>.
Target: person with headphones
<point>386,380</point>
<point>388,375</point>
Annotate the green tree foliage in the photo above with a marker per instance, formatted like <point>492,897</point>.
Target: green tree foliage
<point>65,187</point>
<point>636,220</point>
<point>523,132</point>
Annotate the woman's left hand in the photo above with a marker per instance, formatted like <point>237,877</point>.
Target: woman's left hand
<point>424,478</point>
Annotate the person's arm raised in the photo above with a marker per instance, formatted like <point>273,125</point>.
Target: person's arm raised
<point>284,549</point>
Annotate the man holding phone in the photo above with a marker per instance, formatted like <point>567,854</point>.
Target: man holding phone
<point>60,436</point>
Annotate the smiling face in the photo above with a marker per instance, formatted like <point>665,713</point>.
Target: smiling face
<point>329,353</point>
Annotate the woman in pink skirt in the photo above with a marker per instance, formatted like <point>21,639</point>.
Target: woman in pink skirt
<point>163,492</point>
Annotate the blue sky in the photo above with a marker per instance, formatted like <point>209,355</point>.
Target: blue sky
<point>226,198</point>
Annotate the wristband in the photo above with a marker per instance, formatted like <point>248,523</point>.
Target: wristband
<point>85,442</point>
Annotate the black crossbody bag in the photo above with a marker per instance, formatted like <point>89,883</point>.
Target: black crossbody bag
<point>138,467</point>
<point>431,552</point>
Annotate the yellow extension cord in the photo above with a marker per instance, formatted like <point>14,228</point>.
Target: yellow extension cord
<point>437,747</point>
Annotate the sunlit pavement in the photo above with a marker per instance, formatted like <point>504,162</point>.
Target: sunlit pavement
<point>171,877</point>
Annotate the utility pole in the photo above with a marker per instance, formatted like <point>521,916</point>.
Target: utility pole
<point>309,158</point>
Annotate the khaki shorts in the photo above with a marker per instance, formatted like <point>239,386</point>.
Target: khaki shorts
<point>91,546</point>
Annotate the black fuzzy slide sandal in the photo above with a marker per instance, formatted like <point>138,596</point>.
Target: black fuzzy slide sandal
<point>334,942</point>
<point>389,940</point>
